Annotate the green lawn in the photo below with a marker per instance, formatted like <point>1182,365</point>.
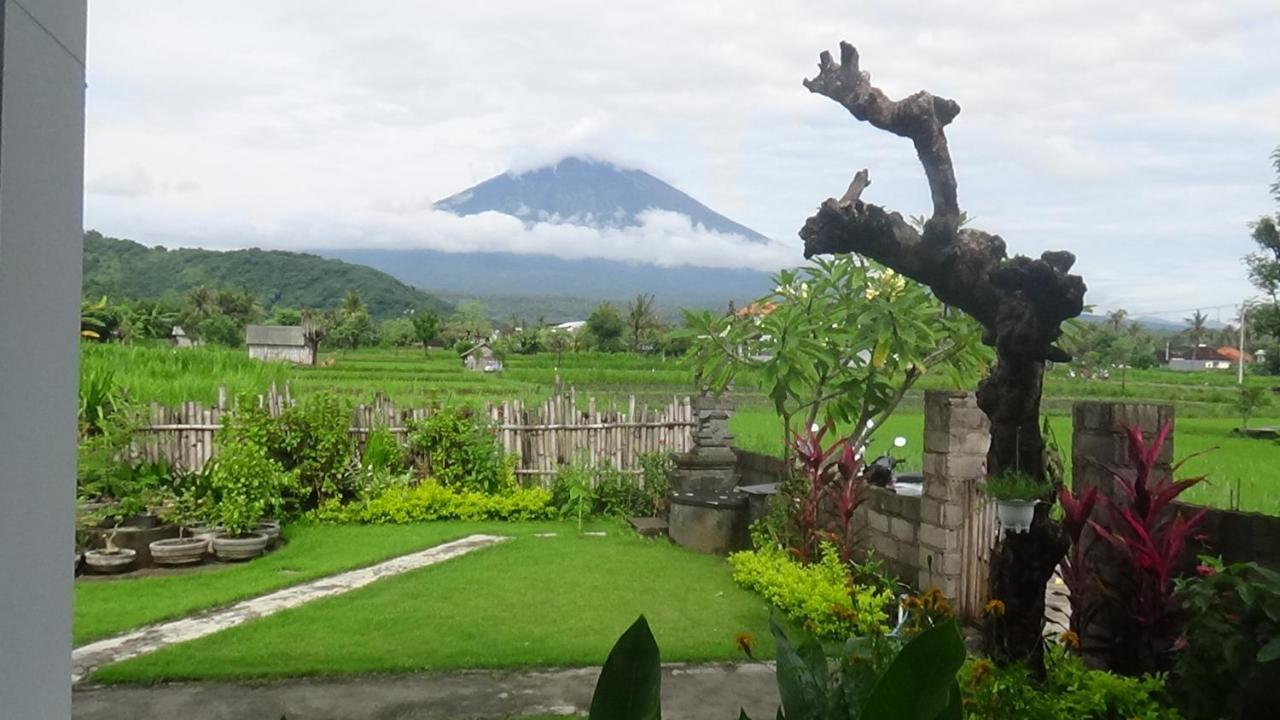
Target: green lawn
<point>1243,468</point>
<point>108,607</point>
<point>529,602</point>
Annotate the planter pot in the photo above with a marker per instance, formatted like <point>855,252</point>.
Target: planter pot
<point>179,551</point>
<point>239,547</point>
<point>270,528</point>
<point>109,562</point>
<point>1016,515</point>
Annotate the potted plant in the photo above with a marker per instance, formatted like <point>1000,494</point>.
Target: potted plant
<point>1016,494</point>
<point>184,549</point>
<point>243,483</point>
<point>111,559</point>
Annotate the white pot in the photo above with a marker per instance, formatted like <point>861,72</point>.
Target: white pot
<point>110,562</point>
<point>179,551</point>
<point>244,547</point>
<point>270,528</point>
<point>1016,515</point>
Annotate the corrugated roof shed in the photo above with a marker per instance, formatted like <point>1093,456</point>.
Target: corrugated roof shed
<point>288,335</point>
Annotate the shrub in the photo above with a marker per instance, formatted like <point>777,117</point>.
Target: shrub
<point>461,451</point>
<point>402,504</point>
<point>244,484</point>
<point>1070,691</point>
<point>573,493</point>
<point>311,440</point>
<point>1231,637</point>
<point>382,453</point>
<point>820,596</point>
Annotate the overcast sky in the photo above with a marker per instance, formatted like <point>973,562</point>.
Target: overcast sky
<point>1135,134</point>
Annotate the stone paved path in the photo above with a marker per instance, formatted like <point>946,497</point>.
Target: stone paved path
<point>689,692</point>
<point>86,658</point>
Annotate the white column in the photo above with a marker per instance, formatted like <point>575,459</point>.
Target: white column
<point>42,45</point>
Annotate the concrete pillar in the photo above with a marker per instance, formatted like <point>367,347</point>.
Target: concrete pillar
<point>1099,441</point>
<point>955,531</point>
<point>42,45</point>
<point>1098,435</point>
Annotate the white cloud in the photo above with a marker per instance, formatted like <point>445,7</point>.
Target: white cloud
<point>1121,131</point>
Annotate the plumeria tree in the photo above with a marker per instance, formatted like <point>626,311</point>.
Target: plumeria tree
<point>839,340</point>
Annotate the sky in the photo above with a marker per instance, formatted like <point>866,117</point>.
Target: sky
<point>1134,134</point>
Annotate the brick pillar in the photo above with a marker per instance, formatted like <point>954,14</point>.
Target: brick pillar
<point>956,437</point>
<point>1098,436</point>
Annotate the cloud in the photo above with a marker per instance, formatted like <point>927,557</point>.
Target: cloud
<point>1125,132</point>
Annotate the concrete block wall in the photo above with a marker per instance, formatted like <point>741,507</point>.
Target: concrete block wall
<point>943,537</point>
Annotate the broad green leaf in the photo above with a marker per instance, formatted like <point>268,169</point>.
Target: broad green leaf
<point>802,695</point>
<point>918,684</point>
<point>1271,651</point>
<point>630,682</point>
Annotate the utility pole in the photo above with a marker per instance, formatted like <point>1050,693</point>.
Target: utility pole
<point>1244,314</point>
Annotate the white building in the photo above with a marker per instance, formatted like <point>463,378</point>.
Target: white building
<point>278,342</point>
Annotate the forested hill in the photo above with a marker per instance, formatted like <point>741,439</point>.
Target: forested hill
<point>123,269</point>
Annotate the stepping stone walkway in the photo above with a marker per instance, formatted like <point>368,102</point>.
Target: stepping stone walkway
<point>86,658</point>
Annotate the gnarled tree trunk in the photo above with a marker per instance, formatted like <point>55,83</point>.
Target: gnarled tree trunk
<point>1020,302</point>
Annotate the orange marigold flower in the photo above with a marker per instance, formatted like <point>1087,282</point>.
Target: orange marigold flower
<point>981,670</point>
<point>1069,639</point>
<point>911,602</point>
<point>746,643</point>
<point>993,607</point>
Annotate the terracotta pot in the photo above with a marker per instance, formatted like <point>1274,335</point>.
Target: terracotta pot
<point>110,562</point>
<point>179,551</point>
<point>1016,515</point>
<point>239,547</point>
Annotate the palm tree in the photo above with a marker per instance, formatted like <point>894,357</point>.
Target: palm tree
<point>1195,329</point>
<point>92,324</point>
<point>1116,318</point>
<point>352,303</point>
<point>201,303</point>
<point>642,318</point>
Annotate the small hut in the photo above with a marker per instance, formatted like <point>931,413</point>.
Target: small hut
<point>480,358</point>
<point>278,342</point>
<point>179,338</point>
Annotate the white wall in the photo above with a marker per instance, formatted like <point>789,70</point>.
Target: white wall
<point>41,187</point>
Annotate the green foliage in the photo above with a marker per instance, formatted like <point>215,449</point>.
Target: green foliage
<point>461,450</point>
<point>245,484</point>
<point>382,452</point>
<point>125,269</point>
<point>656,469</point>
<point>351,330</point>
<point>819,597</point>
<point>426,327</point>
<point>312,442</point>
<point>605,328</point>
<point>870,681</point>
<point>1252,398</point>
<point>1071,691</point>
<point>630,682</point>
<point>427,501</point>
<point>839,340</point>
<point>396,332</point>
<point>99,398</point>
<point>220,330</point>
<point>1014,485</point>
<point>573,491</point>
<point>1231,640</point>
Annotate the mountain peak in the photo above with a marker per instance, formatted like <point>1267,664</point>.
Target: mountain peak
<point>584,190</point>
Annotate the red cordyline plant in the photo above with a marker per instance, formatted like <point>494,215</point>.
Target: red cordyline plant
<point>834,485</point>
<point>1074,566</point>
<point>1150,537</point>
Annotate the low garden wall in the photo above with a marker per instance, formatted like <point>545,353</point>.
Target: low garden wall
<point>941,538</point>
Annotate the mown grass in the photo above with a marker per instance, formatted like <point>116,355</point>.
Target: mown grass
<point>105,607</point>
<point>1241,472</point>
<point>529,602</point>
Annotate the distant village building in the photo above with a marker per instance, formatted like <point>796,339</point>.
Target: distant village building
<point>278,342</point>
<point>571,326</point>
<point>179,338</point>
<point>1203,357</point>
<point>480,358</point>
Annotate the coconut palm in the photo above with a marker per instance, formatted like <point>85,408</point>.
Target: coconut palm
<point>642,320</point>
<point>1196,326</point>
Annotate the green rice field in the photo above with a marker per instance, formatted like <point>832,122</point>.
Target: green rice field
<point>1242,472</point>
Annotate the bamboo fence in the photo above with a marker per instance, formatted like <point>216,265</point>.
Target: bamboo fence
<point>541,437</point>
